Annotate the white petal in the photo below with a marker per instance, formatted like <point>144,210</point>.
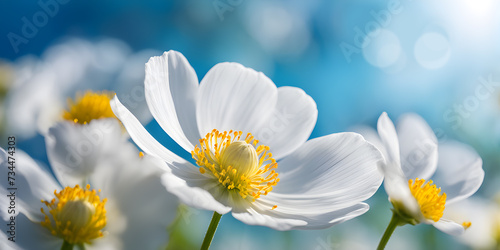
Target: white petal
<point>32,235</point>
<point>272,219</point>
<point>28,99</point>
<point>50,113</point>
<point>233,97</point>
<point>371,136</point>
<point>480,235</point>
<point>460,172</point>
<point>171,88</point>
<point>115,172</point>
<point>291,123</point>
<point>322,183</point>
<point>75,150</point>
<point>389,138</point>
<point>7,244</point>
<point>140,135</point>
<point>130,185</point>
<point>418,145</point>
<point>289,217</point>
<point>342,164</point>
<point>449,227</point>
<point>395,182</point>
<point>396,187</point>
<point>188,185</point>
<point>106,242</point>
<point>32,182</point>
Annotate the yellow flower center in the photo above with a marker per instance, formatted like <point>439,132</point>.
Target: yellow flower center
<point>88,107</point>
<point>76,215</point>
<point>429,198</point>
<point>239,165</point>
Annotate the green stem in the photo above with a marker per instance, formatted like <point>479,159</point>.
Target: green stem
<point>395,221</point>
<point>67,246</point>
<point>211,231</point>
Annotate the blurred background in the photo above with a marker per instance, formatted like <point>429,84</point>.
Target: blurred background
<point>356,58</point>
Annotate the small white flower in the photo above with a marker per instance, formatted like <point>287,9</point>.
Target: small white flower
<point>124,216</point>
<point>88,133</point>
<point>484,233</point>
<point>249,140</point>
<point>41,85</point>
<point>411,156</point>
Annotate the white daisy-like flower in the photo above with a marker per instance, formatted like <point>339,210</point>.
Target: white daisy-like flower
<point>248,139</point>
<point>411,156</point>
<point>41,85</point>
<point>113,211</point>
<point>111,218</point>
<point>88,133</point>
<point>89,151</point>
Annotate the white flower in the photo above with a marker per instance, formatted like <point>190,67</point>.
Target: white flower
<point>280,181</point>
<point>89,133</point>
<point>132,218</point>
<point>484,233</point>
<point>41,85</point>
<point>411,156</point>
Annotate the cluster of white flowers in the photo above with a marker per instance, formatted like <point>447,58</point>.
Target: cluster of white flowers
<point>250,156</point>
<point>97,194</point>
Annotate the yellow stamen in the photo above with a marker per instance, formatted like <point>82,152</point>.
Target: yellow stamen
<point>76,215</point>
<point>274,207</point>
<point>466,224</point>
<point>88,107</point>
<point>238,165</point>
<point>141,154</point>
<point>429,198</point>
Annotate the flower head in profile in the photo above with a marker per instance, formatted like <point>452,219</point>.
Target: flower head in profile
<point>248,140</point>
<point>420,185</point>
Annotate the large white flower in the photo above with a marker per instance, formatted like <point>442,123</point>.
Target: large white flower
<point>411,156</point>
<point>249,140</point>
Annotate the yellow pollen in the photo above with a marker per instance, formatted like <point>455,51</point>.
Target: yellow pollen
<point>429,198</point>
<point>239,165</point>
<point>88,107</point>
<point>141,154</point>
<point>76,215</point>
<point>466,224</point>
<point>274,207</point>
